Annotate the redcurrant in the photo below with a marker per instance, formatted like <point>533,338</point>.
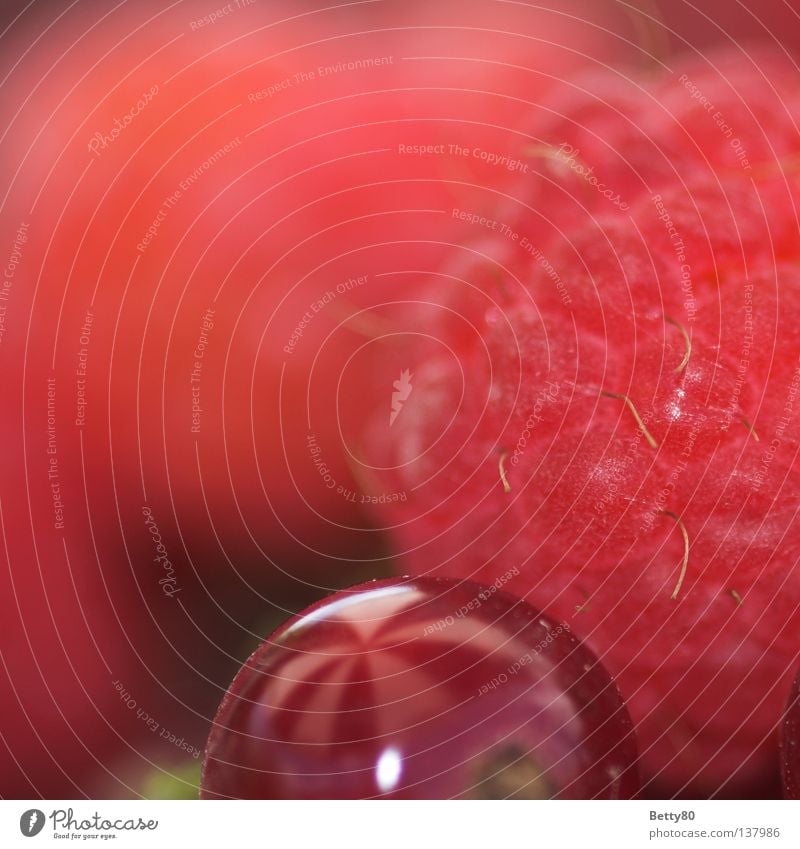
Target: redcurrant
<point>421,688</point>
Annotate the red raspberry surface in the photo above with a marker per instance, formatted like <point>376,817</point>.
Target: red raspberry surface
<point>594,507</point>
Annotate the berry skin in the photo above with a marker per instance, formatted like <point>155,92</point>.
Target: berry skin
<point>790,744</point>
<point>422,688</point>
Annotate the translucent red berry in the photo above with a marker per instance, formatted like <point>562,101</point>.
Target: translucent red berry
<point>424,688</point>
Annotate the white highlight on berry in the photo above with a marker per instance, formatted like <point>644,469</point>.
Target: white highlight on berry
<point>341,609</point>
<point>388,770</point>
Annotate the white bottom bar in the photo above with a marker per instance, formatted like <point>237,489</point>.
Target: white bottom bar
<point>402,825</point>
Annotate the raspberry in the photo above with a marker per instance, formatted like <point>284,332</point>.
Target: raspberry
<point>632,450</point>
<point>601,142</point>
